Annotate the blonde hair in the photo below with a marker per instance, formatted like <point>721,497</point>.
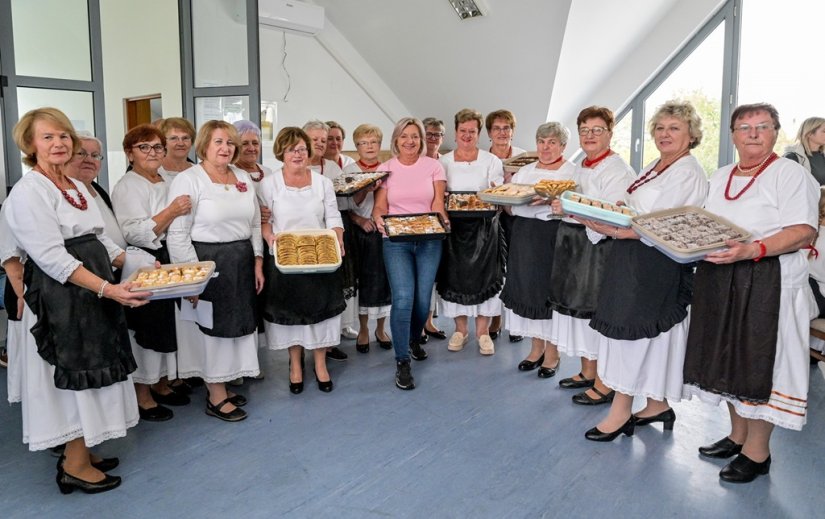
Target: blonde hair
<point>468,114</point>
<point>683,111</point>
<point>23,132</point>
<point>366,129</point>
<point>205,135</point>
<point>806,129</point>
<point>400,126</point>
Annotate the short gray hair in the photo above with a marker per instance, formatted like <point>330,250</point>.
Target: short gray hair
<point>315,124</point>
<point>243,126</point>
<point>553,129</point>
<point>86,135</point>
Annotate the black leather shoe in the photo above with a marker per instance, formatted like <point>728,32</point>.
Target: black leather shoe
<point>180,386</point>
<point>724,448</point>
<point>424,339</point>
<point>335,353</point>
<point>104,465</point>
<point>516,338</point>
<point>68,484</point>
<point>438,334</point>
<point>584,399</point>
<point>173,398</point>
<point>667,417</point>
<point>530,365</point>
<point>362,348</point>
<point>326,387</point>
<point>238,400</point>
<point>572,383</point>
<point>386,345</point>
<point>417,352</point>
<point>545,372</point>
<point>235,415</point>
<point>296,388</point>
<point>155,414</point>
<point>744,470</point>
<point>596,435</point>
<point>494,334</point>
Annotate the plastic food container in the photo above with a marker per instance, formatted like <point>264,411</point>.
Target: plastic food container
<point>308,269</point>
<point>397,219</point>
<point>175,290</point>
<point>350,183</point>
<point>570,206</point>
<point>656,236</point>
<point>467,213</point>
<point>502,199</point>
<point>514,164</point>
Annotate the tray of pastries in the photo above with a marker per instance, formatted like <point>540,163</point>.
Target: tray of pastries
<point>413,227</point>
<point>307,251</point>
<point>553,188</point>
<point>467,203</point>
<point>687,234</point>
<point>596,209</point>
<point>350,183</point>
<point>508,194</point>
<point>172,280</point>
<point>514,164</point>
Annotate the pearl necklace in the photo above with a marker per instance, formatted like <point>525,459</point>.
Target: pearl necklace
<point>761,167</point>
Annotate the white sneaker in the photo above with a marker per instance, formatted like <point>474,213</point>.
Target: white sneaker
<point>458,341</point>
<point>349,333</point>
<point>486,346</point>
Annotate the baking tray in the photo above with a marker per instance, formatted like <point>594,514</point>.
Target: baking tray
<point>346,192</point>
<point>307,269</point>
<point>416,237</point>
<point>467,213</point>
<point>684,255</point>
<point>513,164</point>
<point>175,290</point>
<point>595,213</point>
<point>508,200</point>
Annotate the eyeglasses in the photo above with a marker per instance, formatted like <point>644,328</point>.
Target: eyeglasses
<point>501,129</point>
<point>760,128</point>
<point>146,148</point>
<point>297,151</point>
<point>84,155</point>
<point>434,135</point>
<point>175,138</point>
<point>596,130</point>
<point>367,143</point>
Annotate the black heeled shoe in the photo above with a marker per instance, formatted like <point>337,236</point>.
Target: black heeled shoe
<point>545,372</point>
<point>362,348</point>
<point>530,365</point>
<point>297,388</point>
<point>104,465</point>
<point>724,448</point>
<point>386,345</point>
<point>744,470</point>
<point>68,484</point>
<point>438,334</point>
<point>326,387</point>
<point>596,435</point>
<point>667,417</point>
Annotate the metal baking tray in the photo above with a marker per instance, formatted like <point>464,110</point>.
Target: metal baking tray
<point>685,255</point>
<point>508,200</point>
<point>176,290</point>
<point>467,213</point>
<point>595,213</point>
<point>513,164</point>
<point>351,190</point>
<point>307,269</point>
<point>415,237</point>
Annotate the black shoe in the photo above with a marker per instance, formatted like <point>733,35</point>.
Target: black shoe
<point>572,383</point>
<point>58,451</point>
<point>530,365</point>
<point>155,414</point>
<point>545,372</point>
<point>104,465</point>
<point>724,448</point>
<point>235,415</point>
<point>494,334</point>
<point>335,353</point>
<point>438,334</point>
<point>238,400</point>
<point>667,417</point>
<point>416,351</point>
<point>173,398</point>
<point>180,387</point>
<point>297,388</point>
<point>326,387</point>
<point>385,345</point>
<point>596,435</point>
<point>194,382</point>
<point>424,339</point>
<point>68,483</point>
<point>362,348</point>
<point>744,470</point>
<point>584,399</point>
<point>516,338</point>
<point>403,375</point>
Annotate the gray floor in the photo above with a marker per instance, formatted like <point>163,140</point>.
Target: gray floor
<point>477,438</point>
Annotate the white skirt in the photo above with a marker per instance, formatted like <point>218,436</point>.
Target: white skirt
<point>536,328</point>
<point>651,368</point>
<point>311,336</point>
<point>52,416</point>
<point>375,312</point>
<point>489,308</point>
<point>788,403</point>
<point>14,373</point>
<point>214,359</point>
<point>152,365</point>
<point>575,337</point>
<point>350,314</point>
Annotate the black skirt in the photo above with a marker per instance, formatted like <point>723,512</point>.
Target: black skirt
<point>644,294</point>
<point>578,269</point>
<point>530,267</point>
<point>232,293</point>
<point>349,263</point>
<point>301,299</point>
<point>472,262</point>
<point>820,299</point>
<point>731,344</point>
<point>154,322</point>
<point>10,301</point>
<point>373,285</point>
<point>84,337</point>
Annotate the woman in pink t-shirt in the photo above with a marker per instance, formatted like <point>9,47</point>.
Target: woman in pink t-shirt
<point>416,184</point>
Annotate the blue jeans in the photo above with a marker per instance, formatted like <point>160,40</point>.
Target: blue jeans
<point>411,268</point>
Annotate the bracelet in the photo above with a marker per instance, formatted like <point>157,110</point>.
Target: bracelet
<point>102,286</point>
<point>763,251</point>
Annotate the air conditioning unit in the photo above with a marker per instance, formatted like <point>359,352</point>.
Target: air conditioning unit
<point>291,15</point>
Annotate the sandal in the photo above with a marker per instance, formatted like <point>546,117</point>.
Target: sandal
<point>236,415</point>
<point>584,399</point>
<point>572,383</point>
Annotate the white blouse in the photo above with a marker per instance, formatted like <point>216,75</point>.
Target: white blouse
<point>486,171</point>
<point>530,174</point>
<point>8,246</point>
<point>218,214</point>
<point>683,183</point>
<point>110,226</point>
<point>310,207</point>
<point>41,220</point>
<point>136,200</point>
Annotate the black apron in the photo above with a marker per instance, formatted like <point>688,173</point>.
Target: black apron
<point>373,285</point>
<point>154,323</point>
<point>530,267</point>
<point>472,261</point>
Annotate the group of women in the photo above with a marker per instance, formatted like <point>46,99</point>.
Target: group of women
<point>732,329</point>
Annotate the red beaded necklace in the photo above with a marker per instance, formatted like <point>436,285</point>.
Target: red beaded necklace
<point>260,177</point>
<point>83,205</point>
<point>650,175</point>
<point>762,167</point>
<point>367,167</point>
<point>561,157</point>
<point>592,163</point>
